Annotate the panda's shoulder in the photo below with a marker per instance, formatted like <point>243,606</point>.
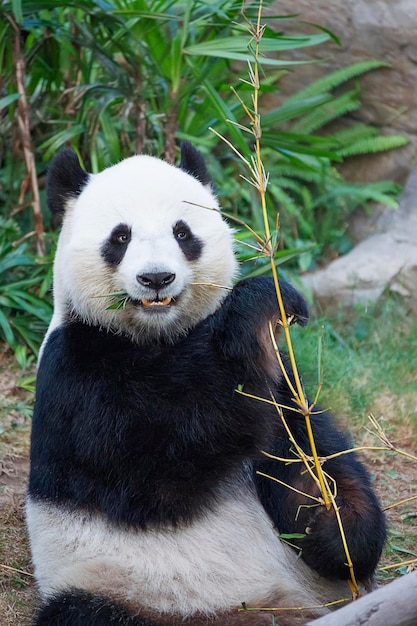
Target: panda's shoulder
<point>79,346</point>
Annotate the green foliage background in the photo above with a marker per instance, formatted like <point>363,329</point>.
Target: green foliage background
<point>113,77</point>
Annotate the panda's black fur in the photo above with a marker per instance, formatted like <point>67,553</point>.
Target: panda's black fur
<point>150,436</point>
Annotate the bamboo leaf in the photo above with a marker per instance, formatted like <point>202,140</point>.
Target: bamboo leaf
<point>226,114</point>
<point>292,109</point>
<point>111,136</point>
<point>17,10</point>
<point>6,329</point>
<point>7,100</point>
<point>330,33</point>
<point>280,142</point>
<point>54,143</point>
<point>236,49</point>
<point>14,259</point>
<point>176,61</point>
<point>242,43</point>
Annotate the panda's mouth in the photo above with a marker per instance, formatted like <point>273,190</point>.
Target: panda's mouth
<point>157,303</point>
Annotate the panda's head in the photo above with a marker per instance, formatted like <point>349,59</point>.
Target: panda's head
<point>145,230</point>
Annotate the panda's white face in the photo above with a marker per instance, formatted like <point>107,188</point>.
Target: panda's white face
<point>152,233</point>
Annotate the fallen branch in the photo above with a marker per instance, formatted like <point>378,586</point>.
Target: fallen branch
<point>392,605</point>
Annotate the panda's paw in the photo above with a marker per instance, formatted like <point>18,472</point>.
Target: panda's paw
<point>258,297</point>
<point>323,548</point>
<point>241,328</point>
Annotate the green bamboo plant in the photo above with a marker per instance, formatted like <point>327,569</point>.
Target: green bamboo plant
<point>120,76</point>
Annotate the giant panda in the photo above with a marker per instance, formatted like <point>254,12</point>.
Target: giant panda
<point>147,501</point>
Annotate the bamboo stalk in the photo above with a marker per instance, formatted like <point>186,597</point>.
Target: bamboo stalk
<point>23,122</point>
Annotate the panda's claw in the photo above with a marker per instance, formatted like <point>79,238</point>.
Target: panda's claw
<point>291,319</point>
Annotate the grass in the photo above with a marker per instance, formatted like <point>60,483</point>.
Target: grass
<point>370,366</point>
<point>370,360</point>
<point>17,590</point>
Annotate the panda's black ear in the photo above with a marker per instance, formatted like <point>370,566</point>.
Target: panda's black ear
<point>66,179</point>
<point>192,162</point>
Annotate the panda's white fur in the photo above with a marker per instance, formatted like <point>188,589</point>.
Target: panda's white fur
<point>230,555</point>
<point>223,554</point>
<point>165,193</point>
<point>207,566</point>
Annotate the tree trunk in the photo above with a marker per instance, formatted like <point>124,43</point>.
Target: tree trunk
<point>25,137</point>
<point>170,131</point>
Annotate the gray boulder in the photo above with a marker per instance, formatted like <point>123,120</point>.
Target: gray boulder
<point>387,259</point>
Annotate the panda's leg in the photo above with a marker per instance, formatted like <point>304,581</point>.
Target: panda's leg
<point>81,608</point>
<point>292,512</point>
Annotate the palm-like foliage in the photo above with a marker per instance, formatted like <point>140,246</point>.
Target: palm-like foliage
<point>111,77</point>
<point>24,309</point>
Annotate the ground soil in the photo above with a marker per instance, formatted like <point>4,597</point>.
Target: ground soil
<point>395,479</point>
<point>17,588</point>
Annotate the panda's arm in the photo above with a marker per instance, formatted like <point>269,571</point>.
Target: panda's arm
<point>243,336</point>
<point>321,545</point>
<point>241,326</point>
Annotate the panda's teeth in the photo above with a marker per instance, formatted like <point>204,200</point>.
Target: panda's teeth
<point>164,302</point>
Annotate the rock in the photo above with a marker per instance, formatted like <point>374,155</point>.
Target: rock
<point>385,260</point>
<point>367,29</point>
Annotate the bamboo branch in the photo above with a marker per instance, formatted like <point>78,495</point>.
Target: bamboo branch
<point>262,180</point>
<point>259,179</point>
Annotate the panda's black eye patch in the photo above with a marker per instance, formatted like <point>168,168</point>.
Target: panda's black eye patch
<point>190,245</point>
<point>121,238</point>
<point>114,248</point>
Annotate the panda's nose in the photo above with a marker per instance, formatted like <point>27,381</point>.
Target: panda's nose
<point>155,280</point>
